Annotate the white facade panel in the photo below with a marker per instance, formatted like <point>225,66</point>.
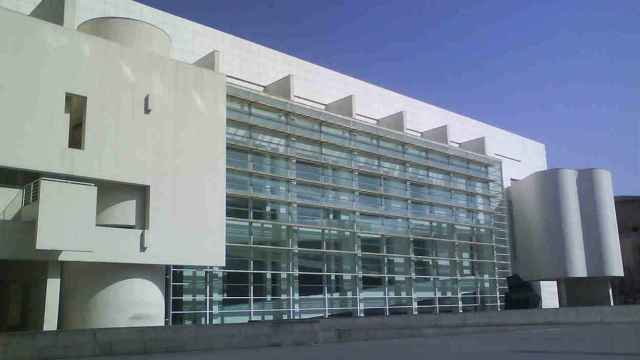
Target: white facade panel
<point>177,150</point>
<point>65,216</point>
<point>258,64</point>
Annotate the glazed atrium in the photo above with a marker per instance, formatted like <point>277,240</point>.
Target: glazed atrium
<point>330,217</point>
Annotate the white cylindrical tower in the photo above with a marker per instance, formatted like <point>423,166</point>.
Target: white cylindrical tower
<point>130,33</point>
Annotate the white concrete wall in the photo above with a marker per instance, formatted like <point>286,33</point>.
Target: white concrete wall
<point>65,216</point>
<point>10,202</point>
<point>565,225</point>
<point>177,150</point>
<point>259,64</point>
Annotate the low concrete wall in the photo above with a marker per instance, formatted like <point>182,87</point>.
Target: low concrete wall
<point>121,341</point>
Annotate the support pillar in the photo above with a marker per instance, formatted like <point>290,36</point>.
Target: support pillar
<point>52,296</point>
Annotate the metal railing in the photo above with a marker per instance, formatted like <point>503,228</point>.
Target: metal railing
<point>31,193</point>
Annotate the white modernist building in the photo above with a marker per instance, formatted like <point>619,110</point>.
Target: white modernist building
<point>157,171</point>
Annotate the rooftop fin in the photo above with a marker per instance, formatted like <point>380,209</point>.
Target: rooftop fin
<point>439,134</point>
<point>397,121</point>
<point>281,88</point>
<point>345,106</point>
<point>211,61</point>
<point>477,145</point>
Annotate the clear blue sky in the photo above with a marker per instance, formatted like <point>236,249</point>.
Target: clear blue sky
<point>565,73</point>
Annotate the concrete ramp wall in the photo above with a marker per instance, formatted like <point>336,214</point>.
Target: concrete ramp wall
<point>150,340</point>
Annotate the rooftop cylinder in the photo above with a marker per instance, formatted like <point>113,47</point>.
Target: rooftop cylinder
<point>130,33</point>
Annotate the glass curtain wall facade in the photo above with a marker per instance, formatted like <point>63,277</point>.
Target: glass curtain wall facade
<point>327,219</point>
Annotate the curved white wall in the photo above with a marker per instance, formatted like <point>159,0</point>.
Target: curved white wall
<point>99,295</point>
<point>129,32</point>
<point>600,228</point>
<point>121,205</point>
<point>565,225</point>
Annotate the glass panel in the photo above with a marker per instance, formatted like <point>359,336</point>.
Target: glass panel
<point>372,264</point>
<point>447,267</point>
<point>446,249</point>
<point>335,134</point>
<point>235,284</point>
<point>309,238</point>
<point>397,245</point>
<point>270,187</point>
<point>423,247</point>
<point>309,171</point>
<point>399,286</point>
<point>438,157</point>
<point>269,140</point>
<point>306,148</point>
<point>304,126</point>
<point>398,266</point>
<point>419,209</point>
<point>395,206</point>
<point>339,240</point>
<point>369,201</point>
<point>310,262</point>
<point>340,263</point>
<point>390,167</point>
<point>464,233</point>
<point>341,285</point>
<point>447,287</point>
<point>371,243</point>
<point>439,177</point>
<point>270,235</point>
<point>421,228</point>
<point>417,172</point>
<point>237,158</point>
<point>395,187</point>
<point>368,182</point>
<point>237,207</point>
<point>336,155</point>
<point>424,287</point>
<point>416,153</point>
<point>369,223</point>
<point>270,259</point>
<point>365,141</point>
<point>237,181</point>
<point>366,162</point>
<point>390,147</point>
<point>268,116</point>
<point>339,218</point>
<point>373,286</point>
<point>342,177</point>
<point>418,191</point>
<point>237,232</point>
<point>309,193</point>
<point>339,197</point>
<point>237,258</point>
<point>424,268</point>
<point>309,215</point>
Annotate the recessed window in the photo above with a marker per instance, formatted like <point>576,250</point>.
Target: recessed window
<point>75,107</point>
